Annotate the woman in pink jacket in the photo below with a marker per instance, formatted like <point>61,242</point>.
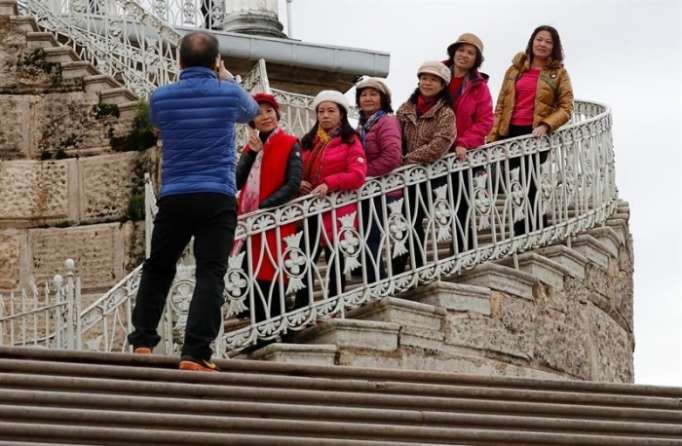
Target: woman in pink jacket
<point>333,160</point>
<point>380,134</point>
<point>473,106</point>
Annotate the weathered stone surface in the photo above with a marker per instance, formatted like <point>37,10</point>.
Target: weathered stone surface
<point>609,238</point>
<point>612,349</point>
<point>544,269</point>
<point>12,247</point>
<point>297,353</point>
<point>97,250</point>
<point>403,312</point>
<point>500,278</point>
<point>569,258</point>
<point>107,183</point>
<point>479,332</point>
<point>456,297</point>
<point>355,357</point>
<point>352,333</point>
<point>34,189</point>
<point>592,249</point>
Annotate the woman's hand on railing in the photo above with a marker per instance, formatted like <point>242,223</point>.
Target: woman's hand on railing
<point>540,130</point>
<point>305,188</point>
<point>320,191</point>
<point>461,153</point>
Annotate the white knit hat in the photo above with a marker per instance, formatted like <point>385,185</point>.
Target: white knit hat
<point>437,69</point>
<point>373,82</point>
<point>331,96</point>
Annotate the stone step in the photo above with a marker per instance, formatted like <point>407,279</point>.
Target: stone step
<point>60,54</point>
<point>609,238</point>
<point>542,268</point>
<point>35,40</point>
<point>402,312</point>
<point>569,258</point>
<point>352,333</point>
<point>500,278</point>
<point>24,24</point>
<point>8,8</point>
<point>594,250</point>
<point>118,96</point>
<point>99,83</point>
<point>78,69</point>
<point>128,110</point>
<point>92,398</point>
<point>311,354</point>
<point>455,297</point>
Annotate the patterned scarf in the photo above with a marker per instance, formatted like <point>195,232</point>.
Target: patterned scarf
<point>424,104</point>
<point>311,169</point>
<point>249,197</point>
<point>364,128</point>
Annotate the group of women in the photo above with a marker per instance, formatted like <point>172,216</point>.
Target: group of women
<point>450,111</point>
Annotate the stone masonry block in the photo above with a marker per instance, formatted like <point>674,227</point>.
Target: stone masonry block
<point>310,354</point>
<point>500,278</point>
<point>353,333</point>
<point>569,258</point>
<point>455,297</point>
<point>403,312</point>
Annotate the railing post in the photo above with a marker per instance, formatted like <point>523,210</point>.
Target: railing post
<point>73,321</point>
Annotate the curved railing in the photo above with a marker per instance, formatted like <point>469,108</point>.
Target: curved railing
<point>576,191</point>
<point>468,208</point>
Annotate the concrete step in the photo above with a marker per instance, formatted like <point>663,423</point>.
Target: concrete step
<point>78,69</point>
<point>8,8</point>
<point>569,258</point>
<point>542,268</point>
<point>352,333</point>
<point>311,354</point>
<point>39,39</point>
<point>402,312</point>
<point>455,297</point>
<point>86,398</point>
<point>594,250</point>
<point>60,54</point>
<point>24,24</point>
<point>118,96</point>
<point>99,83</point>
<point>501,278</point>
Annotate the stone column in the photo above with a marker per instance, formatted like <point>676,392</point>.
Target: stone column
<point>258,17</point>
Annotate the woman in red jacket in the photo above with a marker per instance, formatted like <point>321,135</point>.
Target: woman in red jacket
<point>333,160</point>
<point>473,106</point>
<point>268,174</point>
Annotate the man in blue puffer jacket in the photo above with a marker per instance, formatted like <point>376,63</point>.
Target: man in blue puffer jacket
<point>196,118</point>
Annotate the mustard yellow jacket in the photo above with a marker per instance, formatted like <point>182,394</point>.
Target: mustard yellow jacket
<point>553,99</point>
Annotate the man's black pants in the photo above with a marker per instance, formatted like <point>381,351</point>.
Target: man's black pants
<point>211,218</point>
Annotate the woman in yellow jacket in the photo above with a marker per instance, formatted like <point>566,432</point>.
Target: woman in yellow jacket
<point>536,98</point>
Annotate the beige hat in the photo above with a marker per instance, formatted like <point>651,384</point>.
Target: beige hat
<point>437,69</point>
<point>373,82</point>
<point>331,96</point>
<point>471,39</point>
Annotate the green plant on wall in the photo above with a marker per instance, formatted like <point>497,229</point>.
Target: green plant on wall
<point>36,60</point>
<point>142,135</point>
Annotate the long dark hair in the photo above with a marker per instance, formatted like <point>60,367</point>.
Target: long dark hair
<point>385,102</point>
<point>444,95</point>
<point>557,49</point>
<point>347,134</point>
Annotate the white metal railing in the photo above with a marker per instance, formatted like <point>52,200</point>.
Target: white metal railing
<point>46,317</point>
<point>468,209</point>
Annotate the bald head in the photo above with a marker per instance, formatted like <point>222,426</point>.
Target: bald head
<point>198,49</point>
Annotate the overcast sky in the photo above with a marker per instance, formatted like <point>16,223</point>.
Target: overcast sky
<point>624,53</point>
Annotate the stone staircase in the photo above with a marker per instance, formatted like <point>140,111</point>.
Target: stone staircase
<point>68,164</point>
<point>52,397</point>
<point>565,313</point>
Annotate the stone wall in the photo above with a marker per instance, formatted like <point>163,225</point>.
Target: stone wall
<point>104,253</point>
<point>71,191</point>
